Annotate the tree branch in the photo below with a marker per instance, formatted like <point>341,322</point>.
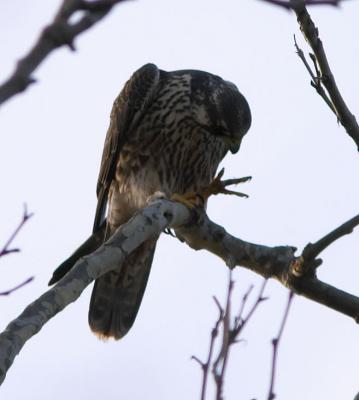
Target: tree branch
<point>146,224</point>
<point>19,286</point>
<point>326,77</point>
<point>232,326</point>
<point>276,262</point>
<point>288,6</point>
<point>231,331</point>
<point>312,250</point>
<point>6,248</point>
<point>214,333</point>
<point>316,80</point>
<point>275,344</point>
<point>59,33</point>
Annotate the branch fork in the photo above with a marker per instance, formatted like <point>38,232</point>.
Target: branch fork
<point>202,233</point>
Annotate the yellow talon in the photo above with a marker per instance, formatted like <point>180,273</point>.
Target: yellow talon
<point>217,186</point>
<point>189,199</point>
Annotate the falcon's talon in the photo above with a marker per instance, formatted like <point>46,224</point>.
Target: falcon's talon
<point>193,200</point>
<point>217,186</point>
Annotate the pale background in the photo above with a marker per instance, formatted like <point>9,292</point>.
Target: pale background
<point>305,182</point>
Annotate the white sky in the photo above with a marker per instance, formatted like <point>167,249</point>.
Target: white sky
<point>305,174</point>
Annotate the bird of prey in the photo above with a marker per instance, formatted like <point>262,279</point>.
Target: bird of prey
<point>168,132</point>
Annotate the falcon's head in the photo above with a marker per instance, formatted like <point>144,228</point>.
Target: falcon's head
<point>220,107</point>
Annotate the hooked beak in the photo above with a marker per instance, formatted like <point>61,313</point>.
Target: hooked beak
<point>234,147</point>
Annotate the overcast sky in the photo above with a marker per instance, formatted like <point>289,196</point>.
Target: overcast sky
<point>305,183</point>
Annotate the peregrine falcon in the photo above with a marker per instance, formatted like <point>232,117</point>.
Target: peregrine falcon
<point>168,132</point>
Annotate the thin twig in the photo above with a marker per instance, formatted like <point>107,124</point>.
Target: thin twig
<point>231,331</point>
<point>316,79</point>
<point>231,328</point>
<point>311,34</point>
<point>275,343</point>
<point>242,322</point>
<point>61,32</point>
<point>9,291</point>
<point>6,250</point>
<point>219,365</point>
<point>205,366</point>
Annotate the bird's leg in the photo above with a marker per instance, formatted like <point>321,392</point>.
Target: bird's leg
<point>217,186</point>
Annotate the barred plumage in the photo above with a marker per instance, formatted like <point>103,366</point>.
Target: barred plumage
<point>168,132</point>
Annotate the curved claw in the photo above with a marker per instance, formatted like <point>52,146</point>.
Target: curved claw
<point>220,174</point>
<point>239,194</point>
<point>235,181</point>
<point>217,186</point>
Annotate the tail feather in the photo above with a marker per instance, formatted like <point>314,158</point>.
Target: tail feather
<point>90,245</point>
<point>116,296</point>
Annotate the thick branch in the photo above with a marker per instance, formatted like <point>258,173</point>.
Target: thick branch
<point>270,262</point>
<point>287,3</point>
<point>60,32</point>
<point>146,224</point>
<point>276,262</point>
<point>312,250</point>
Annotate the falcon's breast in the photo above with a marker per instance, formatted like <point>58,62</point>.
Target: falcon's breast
<point>178,140</point>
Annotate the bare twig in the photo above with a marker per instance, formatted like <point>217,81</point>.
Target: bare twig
<point>219,365</point>
<point>205,366</point>
<point>232,327</point>
<point>275,343</point>
<point>335,100</point>
<point>316,78</point>
<point>6,248</point>
<point>9,291</point>
<point>241,322</point>
<point>59,33</point>
<point>311,34</point>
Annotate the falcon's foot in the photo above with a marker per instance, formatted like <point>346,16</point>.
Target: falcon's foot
<point>217,186</point>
